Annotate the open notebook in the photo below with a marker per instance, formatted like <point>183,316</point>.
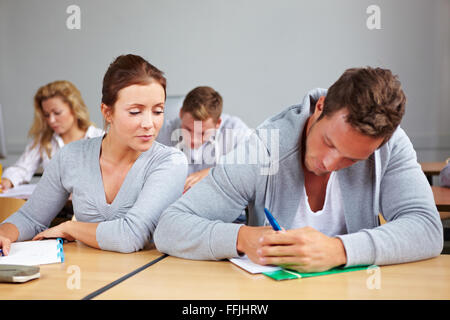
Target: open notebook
<point>32,253</point>
<point>278,273</point>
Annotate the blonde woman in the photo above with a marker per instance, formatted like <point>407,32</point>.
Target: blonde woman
<point>60,117</point>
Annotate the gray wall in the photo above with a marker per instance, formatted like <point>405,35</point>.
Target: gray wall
<point>262,56</point>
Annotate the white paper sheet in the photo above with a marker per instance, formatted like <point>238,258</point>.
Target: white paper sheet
<point>23,191</point>
<point>33,253</point>
<point>249,266</point>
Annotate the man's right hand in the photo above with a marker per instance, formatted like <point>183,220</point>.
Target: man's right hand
<point>248,241</point>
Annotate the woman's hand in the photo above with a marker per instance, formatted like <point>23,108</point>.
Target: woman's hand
<point>5,245</point>
<point>59,231</point>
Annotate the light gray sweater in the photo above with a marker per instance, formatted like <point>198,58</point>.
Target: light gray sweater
<point>154,181</point>
<point>232,130</point>
<point>198,225</point>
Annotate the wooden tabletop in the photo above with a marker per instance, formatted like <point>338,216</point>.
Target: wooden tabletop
<point>441,198</point>
<point>96,268</point>
<point>174,278</point>
<point>432,168</point>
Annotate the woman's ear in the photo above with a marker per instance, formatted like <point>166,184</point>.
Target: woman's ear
<point>106,112</point>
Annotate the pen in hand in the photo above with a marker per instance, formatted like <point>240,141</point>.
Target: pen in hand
<point>274,223</point>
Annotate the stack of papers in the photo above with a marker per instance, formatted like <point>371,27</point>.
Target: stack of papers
<point>23,191</point>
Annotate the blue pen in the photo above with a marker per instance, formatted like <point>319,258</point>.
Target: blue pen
<point>1,251</point>
<point>272,220</point>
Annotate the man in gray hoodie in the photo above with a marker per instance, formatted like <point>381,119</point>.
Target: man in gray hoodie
<point>325,169</point>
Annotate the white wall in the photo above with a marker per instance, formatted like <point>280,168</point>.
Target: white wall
<point>261,55</point>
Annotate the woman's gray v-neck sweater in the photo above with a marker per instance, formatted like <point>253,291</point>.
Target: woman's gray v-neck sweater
<point>155,180</point>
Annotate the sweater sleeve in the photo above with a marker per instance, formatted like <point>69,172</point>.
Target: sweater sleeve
<point>44,204</point>
<point>413,230</point>
<point>199,225</point>
<point>162,187</point>
<point>25,167</point>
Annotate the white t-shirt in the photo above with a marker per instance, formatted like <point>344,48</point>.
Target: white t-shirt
<point>330,220</point>
<point>25,167</point>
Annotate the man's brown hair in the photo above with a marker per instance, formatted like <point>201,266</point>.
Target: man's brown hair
<point>202,103</point>
<point>373,97</point>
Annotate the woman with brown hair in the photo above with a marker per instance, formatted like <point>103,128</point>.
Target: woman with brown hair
<point>60,117</point>
<point>121,182</point>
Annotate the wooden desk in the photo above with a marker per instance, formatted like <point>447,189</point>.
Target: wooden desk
<point>174,278</point>
<point>441,198</point>
<point>432,169</point>
<point>98,268</point>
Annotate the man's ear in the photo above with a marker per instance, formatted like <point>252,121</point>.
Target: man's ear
<point>319,107</point>
<point>219,121</point>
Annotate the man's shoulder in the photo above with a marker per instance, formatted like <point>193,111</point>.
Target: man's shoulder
<point>93,132</point>
<point>232,122</point>
<point>398,140</point>
<point>398,149</point>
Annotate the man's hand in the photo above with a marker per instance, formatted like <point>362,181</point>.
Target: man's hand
<point>304,249</point>
<point>195,177</point>
<point>248,241</point>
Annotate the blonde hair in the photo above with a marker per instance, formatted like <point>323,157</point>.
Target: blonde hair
<point>40,131</point>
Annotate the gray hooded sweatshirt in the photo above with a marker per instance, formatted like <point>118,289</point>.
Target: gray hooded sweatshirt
<point>391,182</point>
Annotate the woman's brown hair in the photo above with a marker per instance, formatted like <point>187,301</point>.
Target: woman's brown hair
<point>127,70</point>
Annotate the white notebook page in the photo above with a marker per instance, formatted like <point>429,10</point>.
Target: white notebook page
<point>249,266</point>
<point>32,253</point>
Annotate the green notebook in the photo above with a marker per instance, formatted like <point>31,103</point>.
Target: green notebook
<point>287,274</point>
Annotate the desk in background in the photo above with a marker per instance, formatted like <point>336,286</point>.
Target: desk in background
<point>441,198</point>
<point>432,169</point>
